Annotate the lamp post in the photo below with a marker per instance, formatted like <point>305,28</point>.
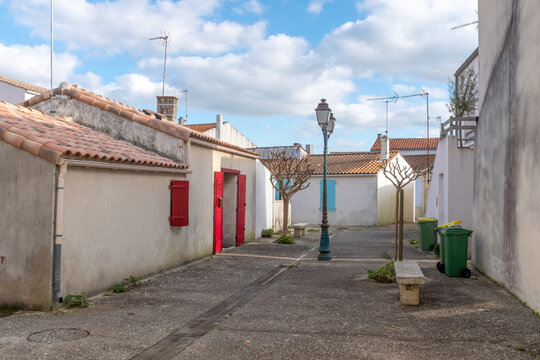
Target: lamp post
<point>327,122</point>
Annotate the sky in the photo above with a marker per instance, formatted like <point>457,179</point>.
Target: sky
<point>263,65</point>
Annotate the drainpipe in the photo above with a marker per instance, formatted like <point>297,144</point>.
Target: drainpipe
<point>58,235</point>
<point>187,153</point>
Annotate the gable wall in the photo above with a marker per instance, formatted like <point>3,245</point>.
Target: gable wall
<point>26,229</point>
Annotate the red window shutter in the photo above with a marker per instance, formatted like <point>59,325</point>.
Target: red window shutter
<point>179,203</point>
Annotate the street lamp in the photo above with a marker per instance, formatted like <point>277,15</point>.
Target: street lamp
<point>327,122</point>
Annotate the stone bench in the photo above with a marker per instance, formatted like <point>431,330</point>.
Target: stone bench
<point>299,229</point>
<point>409,277</point>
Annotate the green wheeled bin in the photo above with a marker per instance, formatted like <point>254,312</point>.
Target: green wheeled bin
<point>426,233</point>
<point>455,243</point>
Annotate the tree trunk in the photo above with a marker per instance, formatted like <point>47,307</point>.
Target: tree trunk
<point>401,206</point>
<point>285,231</point>
<point>396,227</point>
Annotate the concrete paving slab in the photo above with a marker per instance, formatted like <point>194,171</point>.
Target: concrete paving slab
<point>315,310</point>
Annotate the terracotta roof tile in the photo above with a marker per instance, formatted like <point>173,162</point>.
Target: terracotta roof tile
<point>24,85</point>
<point>146,117</point>
<point>51,137</point>
<point>349,163</point>
<point>407,144</point>
<point>419,162</point>
<point>202,128</point>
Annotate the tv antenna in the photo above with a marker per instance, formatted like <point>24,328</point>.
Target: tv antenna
<point>386,100</point>
<point>467,24</point>
<point>164,40</point>
<point>426,94</point>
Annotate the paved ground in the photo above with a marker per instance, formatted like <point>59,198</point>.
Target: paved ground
<point>248,303</point>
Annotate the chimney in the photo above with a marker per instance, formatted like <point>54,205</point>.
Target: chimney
<point>181,120</point>
<point>385,151</point>
<point>219,126</point>
<point>167,105</point>
<point>309,148</point>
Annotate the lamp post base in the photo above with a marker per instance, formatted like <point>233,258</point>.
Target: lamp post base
<point>324,248</point>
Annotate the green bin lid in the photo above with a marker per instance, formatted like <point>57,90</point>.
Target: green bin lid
<point>456,231</point>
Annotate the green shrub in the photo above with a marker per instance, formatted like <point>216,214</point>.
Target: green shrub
<point>76,301</point>
<point>285,240</point>
<point>437,250</point>
<point>313,230</point>
<point>385,274</point>
<point>413,242</point>
<point>267,232</point>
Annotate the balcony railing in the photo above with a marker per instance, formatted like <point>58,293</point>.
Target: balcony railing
<point>463,128</point>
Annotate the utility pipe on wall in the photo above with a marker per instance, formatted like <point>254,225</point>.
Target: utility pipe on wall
<point>58,232</point>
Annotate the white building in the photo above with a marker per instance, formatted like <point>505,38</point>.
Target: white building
<point>358,193</point>
<point>15,91</point>
<point>420,154</point>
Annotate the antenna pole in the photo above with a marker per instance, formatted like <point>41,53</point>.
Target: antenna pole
<point>427,139</point>
<point>386,100</point>
<point>164,66</point>
<point>52,53</point>
<point>386,130</point>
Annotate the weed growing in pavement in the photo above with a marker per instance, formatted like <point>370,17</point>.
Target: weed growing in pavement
<point>386,256</point>
<point>267,232</point>
<point>132,281</point>
<point>385,274</point>
<point>437,250</point>
<point>313,230</point>
<point>76,301</point>
<point>119,288</point>
<point>292,266</point>
<point>285,240</point>
<point>414,242</point>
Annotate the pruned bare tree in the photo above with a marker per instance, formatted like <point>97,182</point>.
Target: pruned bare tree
<point>400,175</point>
<point>289,174</point>
<point>463,92</point>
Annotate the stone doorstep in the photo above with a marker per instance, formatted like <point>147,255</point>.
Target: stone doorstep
<point>409,277</point>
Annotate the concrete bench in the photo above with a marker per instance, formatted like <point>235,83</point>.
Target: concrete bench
<point>409,277</point>
<point>299,229</point>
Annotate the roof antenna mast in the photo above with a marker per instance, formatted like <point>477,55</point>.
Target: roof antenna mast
<point>52,52</point>
<point>386,100</point>
<point>164,40</point>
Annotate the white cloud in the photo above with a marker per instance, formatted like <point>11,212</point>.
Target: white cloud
<point>315,6</point>
<point>280,75</point>
<point>252,6</point>
<point>109,28</point>
<point>410,39</point>
<point>32,64</point>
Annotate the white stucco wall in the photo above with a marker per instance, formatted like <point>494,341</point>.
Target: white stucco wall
<point>506,191</point>
<point>452,199</point>
<point>11,94</point>
<point>26,229</point>
<point>264,199</point>
<point>356,201</point>
<point>116,225</point>
<point>231,135</point>
<point>386,199</point>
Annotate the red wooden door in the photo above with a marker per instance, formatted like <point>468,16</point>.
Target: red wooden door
<point>218,211</point>
<point>241,210</point>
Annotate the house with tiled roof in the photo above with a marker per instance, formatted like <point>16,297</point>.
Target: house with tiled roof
<point>358,193</point>
<point>81,207</point>
<point>420,154</point>
<point>132,183</point>
<point>15,91</point>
